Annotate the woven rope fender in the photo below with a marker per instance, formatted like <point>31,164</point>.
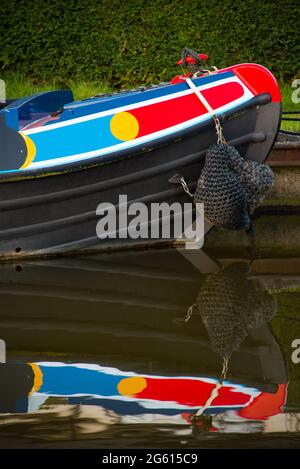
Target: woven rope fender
<point>230,305</point>
<point>231,187</point>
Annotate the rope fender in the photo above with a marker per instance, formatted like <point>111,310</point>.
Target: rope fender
<point>229,186</point>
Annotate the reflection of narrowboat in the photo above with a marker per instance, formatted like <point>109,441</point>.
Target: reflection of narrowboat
<point>26,387</point>
<point>127,310</point>
<point>59,159</point>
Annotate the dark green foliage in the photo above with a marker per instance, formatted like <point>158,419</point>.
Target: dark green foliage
<point>139,41</point>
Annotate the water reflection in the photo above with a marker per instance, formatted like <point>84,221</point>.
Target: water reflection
<point>110,348</point>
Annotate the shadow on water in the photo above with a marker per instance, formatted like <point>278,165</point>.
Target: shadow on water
<point>128,350</point>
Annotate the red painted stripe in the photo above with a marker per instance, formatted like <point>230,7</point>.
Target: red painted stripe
<point>265,404</point>
<point>223,94</point>
<point>257,79</point>
<point>190,392</point>
<point>165,114</point>
<point>168,113</point>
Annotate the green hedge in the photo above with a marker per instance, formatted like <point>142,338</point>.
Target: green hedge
<point>136,41</point>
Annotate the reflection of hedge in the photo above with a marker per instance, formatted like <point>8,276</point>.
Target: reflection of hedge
<point>136,41</point>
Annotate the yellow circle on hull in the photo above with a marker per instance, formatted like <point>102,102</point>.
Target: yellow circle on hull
<point>131,386</point>
<point>124,126</point>
<point>38,377</point>
<point>31,151</point>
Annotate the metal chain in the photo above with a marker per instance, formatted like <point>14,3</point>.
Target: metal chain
<point>189,312</point>
<point>225,368</point>
<point>185,187</point>
<point>220,136</point>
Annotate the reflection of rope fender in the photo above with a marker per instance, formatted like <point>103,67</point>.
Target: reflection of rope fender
<point>230,305</point>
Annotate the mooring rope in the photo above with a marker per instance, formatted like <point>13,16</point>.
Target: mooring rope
<point>219,130</point>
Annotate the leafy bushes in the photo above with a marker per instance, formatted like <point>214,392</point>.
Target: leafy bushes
<point>139,41</point>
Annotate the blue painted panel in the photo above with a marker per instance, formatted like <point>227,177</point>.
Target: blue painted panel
<point>68,380</point>
<point>74,139</point>
<point>11,118</point>
<point>39,104</point>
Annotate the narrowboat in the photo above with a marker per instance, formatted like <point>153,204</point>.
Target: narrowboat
<point>60,158</point>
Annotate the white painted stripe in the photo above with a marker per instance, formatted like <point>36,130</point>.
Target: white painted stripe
<point>200,97</point>
<point>138,141</point>
<point>129,107</point>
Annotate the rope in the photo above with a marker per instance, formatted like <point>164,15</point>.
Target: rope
<point>200,96</point>
<point>215,391</point>
<point>219,130</point>
<point>213,395</point>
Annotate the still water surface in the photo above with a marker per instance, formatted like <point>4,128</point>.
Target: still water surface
<point>128,350</point>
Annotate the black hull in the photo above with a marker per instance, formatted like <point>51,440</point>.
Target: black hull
<point>44,214</point>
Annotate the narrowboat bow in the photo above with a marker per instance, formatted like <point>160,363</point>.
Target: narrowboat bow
<point>59,159</point>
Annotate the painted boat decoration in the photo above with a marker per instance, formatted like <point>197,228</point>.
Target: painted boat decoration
<point>59,159</point>
<point>132,394</point>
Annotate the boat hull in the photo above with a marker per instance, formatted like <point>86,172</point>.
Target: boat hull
<point>57,214</point>
<point>53,211</point>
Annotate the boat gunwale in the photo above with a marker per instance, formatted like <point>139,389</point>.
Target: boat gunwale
<point>55,170</point>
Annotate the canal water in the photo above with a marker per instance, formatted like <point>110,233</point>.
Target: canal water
<point>164,348</point>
